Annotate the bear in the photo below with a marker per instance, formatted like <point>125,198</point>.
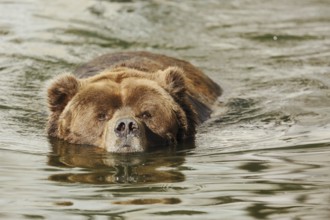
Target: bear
<point>127,102</point>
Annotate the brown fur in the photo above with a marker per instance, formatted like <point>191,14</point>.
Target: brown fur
<point>128,102</point>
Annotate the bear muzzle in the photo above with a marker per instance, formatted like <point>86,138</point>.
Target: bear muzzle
<point>126,128</point>
<point>125,135</point>
<point>127,131</point>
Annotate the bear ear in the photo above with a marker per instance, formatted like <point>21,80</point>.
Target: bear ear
<point>173,80</point>
<point>61,91</point>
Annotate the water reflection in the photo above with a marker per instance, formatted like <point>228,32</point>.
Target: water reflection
<point>266,157</point>
<point>100,167</point>
<point>255,166</point>
<point>262,211</point>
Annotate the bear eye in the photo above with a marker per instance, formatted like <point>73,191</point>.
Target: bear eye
<point>146,115</point>
<point>102,116</point>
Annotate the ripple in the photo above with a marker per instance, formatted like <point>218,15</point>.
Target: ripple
<point>150,201</point>
<point>264,154</point>
<point>280,38</point>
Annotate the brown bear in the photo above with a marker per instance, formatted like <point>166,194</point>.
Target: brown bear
<point>130,102</point>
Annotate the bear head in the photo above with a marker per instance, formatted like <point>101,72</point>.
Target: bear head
<point>121,110</point>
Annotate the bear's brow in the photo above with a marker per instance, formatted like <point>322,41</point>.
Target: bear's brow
<point>140,94</point>
<point>99,95</point>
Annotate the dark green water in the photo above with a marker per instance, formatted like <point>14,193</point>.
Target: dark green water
<point>265,154</point>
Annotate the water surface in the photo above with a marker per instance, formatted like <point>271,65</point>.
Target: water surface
<point>264,154</point>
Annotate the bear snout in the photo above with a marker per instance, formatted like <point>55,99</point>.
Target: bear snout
<point>126,127</point>
<point>125,134</point>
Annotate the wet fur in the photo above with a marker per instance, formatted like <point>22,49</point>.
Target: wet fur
<point>185,91</point>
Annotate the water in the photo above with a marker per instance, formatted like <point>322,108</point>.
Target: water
<point>265,153</point>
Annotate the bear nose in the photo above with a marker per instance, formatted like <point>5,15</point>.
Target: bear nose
<point>126,126</point>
